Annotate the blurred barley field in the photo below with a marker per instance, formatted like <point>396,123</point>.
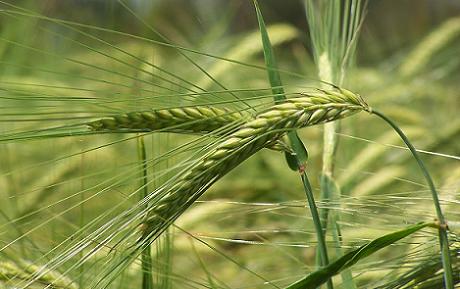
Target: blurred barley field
<point>76,199</point>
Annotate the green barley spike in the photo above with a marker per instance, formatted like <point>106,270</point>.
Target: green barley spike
<point>267,127</point>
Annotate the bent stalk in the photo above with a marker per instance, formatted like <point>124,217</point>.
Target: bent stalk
<point>442,231</point>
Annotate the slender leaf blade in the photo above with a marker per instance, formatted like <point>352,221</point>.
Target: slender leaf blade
<point>321,276</point>
<point>301,154</point>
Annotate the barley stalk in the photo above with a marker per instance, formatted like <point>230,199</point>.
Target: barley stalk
<point>310,109</point>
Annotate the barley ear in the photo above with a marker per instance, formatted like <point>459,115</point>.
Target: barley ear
<point>267,127</point>
<point>188,120</point>
<point>198,119</point>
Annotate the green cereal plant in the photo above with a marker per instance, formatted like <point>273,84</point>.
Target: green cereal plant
<point>235,136</point>
<point>309,109</point>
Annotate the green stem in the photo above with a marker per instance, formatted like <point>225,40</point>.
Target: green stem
<point>324,198</point>
<point>298,160</point>
<point>326,73</point>
<point>146,258</point>
<point>442,231</point>
<point>347,277</point>
<point>317,223</point>
<point>329,147</point>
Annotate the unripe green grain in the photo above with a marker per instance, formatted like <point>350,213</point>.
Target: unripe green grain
<point>200,119</point>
